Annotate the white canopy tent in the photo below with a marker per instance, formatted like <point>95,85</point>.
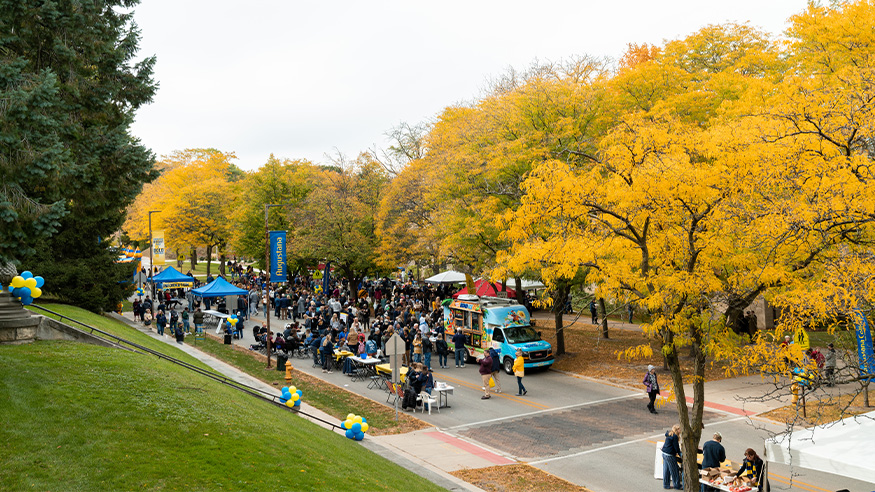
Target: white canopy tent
<point>844,448</point>
<point>447,277</point>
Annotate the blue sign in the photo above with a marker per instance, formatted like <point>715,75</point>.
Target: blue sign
<point>278,271</point>
<point>864,343</point>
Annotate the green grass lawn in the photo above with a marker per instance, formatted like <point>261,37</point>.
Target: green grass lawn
<point>116,328</point>
<point>326,397</point>
<point>82,417</point>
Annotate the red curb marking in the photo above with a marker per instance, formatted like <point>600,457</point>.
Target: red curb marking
<point>724,408</point>
<point>471,448</point>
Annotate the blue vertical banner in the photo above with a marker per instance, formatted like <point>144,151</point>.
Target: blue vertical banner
<point>326,278</point>
<point>278,272</point>
<point>864,343</point>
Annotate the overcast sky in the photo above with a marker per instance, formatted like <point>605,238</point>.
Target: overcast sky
<point>306,79</point>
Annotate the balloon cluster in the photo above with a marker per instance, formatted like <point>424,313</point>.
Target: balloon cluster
<point>291,397</point>
<point>355,426</point>
<point>140,292</point>
<point>26,287</point>
<point>232,321</point>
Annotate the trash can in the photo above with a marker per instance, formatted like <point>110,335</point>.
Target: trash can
<point>281,362</point>
<point>227,339</point>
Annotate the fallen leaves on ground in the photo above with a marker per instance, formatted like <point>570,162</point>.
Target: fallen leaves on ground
<point>822,411</point>
<point>515,478</point>
<point>590,355</point>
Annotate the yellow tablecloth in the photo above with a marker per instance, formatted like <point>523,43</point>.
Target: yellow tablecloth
<point>338,354</point>
<point>387,369</point>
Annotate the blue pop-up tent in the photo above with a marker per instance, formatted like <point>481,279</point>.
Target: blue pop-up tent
<point>171,275</point>
<point>218,288</point>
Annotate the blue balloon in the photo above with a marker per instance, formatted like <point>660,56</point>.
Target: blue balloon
<point>26,300</point>
<point>23,292</point>
<point>356,427</point>
<point>364,420</point>
<point>298,403</point>
<point>359,436</point>
<point>41,281</point>
<point>283,400</point>
<point>284,389</point>
<point>343,424</point>
<point>16,292</point>
<point>299,392</point>
<point>350,434</point>
<point>26,275</point>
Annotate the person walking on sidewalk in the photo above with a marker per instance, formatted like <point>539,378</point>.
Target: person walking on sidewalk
<point>496,368</point>
<point>161,321</point>
<point>459,345</point>
<point>485,374</point>
<point>327,350</point>
<point>519,371</point>
<point>651,384</point>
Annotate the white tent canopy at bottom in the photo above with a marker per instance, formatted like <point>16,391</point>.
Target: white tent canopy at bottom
<point>845,448</point>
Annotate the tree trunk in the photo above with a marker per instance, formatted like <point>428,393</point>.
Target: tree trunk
<point>193,259</point>
<point>178,259</point>
<point>520,296</point>
<point>559,297</point>
<point>691,425</point>
<point>209,259</point>
<point>604,315</point>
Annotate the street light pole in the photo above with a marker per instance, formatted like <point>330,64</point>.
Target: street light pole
<point>267,207</point>
<point>151,264</point>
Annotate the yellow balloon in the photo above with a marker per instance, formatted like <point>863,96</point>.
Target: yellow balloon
<point>357,420</point>
<point>17,281</point>
<point>350,416</point>
<point>296,397</point>
<point>36,292</point>
<point>292,389</point>
<point>30,283</point>
<point>349,424</point>
<point>290,403</point>
<point>365,427</point>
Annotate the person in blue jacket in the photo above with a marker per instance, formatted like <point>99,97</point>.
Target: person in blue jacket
<point>459,344</point>
<point>671,451</point>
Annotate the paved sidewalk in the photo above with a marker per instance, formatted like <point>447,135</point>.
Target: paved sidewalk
<point>428,453</point>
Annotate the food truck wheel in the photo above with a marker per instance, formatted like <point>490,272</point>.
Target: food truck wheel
<point>508,365</point>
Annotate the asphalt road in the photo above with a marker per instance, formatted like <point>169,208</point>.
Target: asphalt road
<point>589,433</point>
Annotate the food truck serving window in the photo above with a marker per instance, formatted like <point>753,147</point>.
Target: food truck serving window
<point>458,319</point>
<point>475,321</point>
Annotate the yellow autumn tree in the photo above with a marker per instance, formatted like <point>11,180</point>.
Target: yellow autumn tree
<point>193,198</point>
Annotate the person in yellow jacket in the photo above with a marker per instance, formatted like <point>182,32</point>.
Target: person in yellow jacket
<point>519,371</point>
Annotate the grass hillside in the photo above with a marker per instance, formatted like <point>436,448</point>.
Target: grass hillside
<point>81,417</point>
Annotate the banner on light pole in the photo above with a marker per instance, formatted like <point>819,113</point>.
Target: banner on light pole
<point>278,270</point>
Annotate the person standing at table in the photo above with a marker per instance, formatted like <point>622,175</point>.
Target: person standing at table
<point>671,452</point>
<point>519,371</point>
<point>713,452</point>
<point>198,319</point>
<point>751,466</point>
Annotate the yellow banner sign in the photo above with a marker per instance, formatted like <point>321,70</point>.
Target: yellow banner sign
<point>175,285</point>
<point>157,248</point>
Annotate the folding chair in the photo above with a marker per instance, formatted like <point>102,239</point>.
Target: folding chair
<point>426,399</point>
